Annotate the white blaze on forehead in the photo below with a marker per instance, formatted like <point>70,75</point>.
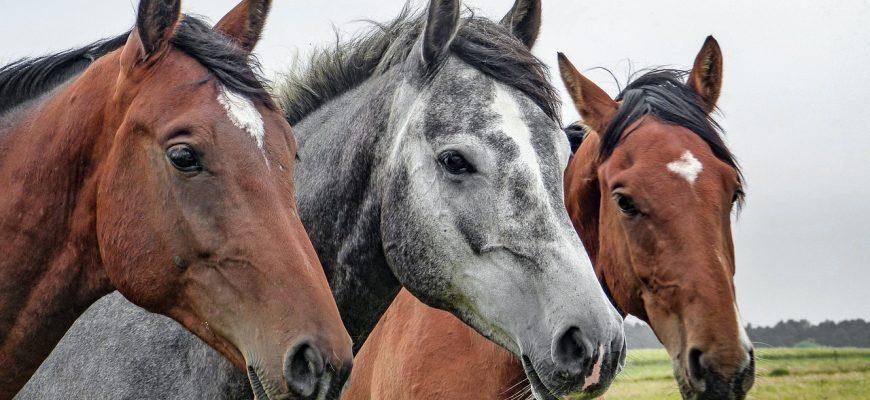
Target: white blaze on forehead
<point>243,115</point>
<point>687,167</point>
<point>513,125</point>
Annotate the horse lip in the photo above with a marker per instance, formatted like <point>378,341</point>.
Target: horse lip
<point>256,385</point>
<point>539,389</point>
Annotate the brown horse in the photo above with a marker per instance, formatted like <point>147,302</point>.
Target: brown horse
<point>652,199</point>
<point>162,170</point>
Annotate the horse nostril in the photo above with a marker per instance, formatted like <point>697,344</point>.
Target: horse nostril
<point>746,378</point>
<point>618,349</point>
<point>696,370</point>
<point>303,367</point>
<point>571,354</point>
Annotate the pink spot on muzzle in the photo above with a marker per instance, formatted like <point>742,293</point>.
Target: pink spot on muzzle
<point>595,376</point>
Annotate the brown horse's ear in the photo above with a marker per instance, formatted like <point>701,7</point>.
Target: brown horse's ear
<point>594,105</point>
<point>155,24</point>
<point>524,20</point>
<point>706,76</point>
<point>244,23</point>
<point>442,23</point>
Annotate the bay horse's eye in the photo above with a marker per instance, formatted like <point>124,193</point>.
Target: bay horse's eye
<point>455,164</point>
<point>737,196</point>
<point>183,158</point>
<point>626,204</point>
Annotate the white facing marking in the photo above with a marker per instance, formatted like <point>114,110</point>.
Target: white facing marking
<point>595,375</point>
<point>744,338</point>
<point>687,167</point>
<point>513,125</point>
<point>243,115</point>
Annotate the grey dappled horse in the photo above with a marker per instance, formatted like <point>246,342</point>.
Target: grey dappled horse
<point>431,157</point>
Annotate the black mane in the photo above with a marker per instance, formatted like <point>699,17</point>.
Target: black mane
<point>663,94</point>
<point>485,45</point>
<point>28,78</point>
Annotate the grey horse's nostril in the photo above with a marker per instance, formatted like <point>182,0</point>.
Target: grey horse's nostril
<point>303,368</point>
<point>618,349</point>
<point>571,354</point>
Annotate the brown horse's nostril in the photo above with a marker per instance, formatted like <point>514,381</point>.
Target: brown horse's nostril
<point>303,368</point>
<point>696,370</point>
<point>709,383</point>
<point>570,353</point>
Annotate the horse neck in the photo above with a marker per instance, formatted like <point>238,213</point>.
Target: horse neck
<point>343,146</point>
<point>50,269</point>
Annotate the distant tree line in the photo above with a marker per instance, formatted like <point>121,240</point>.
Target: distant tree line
<point>850,333</point>
<point>791,333</point>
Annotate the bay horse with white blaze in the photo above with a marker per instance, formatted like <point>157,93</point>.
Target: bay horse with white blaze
<point>651,198</point>
<point>431,158</point>
<point>162,169</point>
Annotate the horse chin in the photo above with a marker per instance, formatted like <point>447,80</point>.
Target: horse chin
<point>539,389</point>
<point>687,391</point>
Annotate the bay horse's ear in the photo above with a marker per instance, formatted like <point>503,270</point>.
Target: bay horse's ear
<point>575,132</point>
<point>594,104</point>
<point>244,23</point>
<point>706,76</point>
<point>524,20</point>
<point>442,23</point>
<point>155,24</point>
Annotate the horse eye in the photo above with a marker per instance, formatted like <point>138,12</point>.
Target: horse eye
<point>737,196</point>
<point>626,204</point>
<point>455,164</point>
<point>183,158</point>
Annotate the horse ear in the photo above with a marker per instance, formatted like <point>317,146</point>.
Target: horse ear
<point>593,104</point>
<point>155,24</point>
<point>575,132</point>
<point>244,24</point>
<point>706,76</point>
<point>524,20</point>
<point>442,23</point>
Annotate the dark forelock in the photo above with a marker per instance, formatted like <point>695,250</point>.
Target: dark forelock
<point>28,78</point>
<point>485,45</point>
<point>663,94</point>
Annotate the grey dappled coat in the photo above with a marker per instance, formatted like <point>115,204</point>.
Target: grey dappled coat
<point>141,356</point>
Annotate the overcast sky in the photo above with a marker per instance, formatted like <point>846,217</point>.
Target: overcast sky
<point>795,106</point>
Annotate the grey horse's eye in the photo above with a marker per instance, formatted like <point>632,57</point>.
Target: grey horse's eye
<point>455,163</point>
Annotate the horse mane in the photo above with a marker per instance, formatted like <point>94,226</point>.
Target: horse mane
<point>663,94</point>
<point>29,78</point>
<point>486,46</point>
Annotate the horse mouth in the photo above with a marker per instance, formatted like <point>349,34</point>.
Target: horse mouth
<point>257,385</point>
<point>539,389</point>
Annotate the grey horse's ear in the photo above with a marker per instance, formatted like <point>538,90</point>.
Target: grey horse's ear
<point>442,23</point>
<point>245,23</point>
<point>524,20</point>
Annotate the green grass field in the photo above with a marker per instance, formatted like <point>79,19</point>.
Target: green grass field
<point>818,373</point>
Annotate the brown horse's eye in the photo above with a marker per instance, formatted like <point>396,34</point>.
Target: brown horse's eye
<point>455,164</point>
<point>183,158</point>
<point>626,204</point>
<point>737,196</point>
